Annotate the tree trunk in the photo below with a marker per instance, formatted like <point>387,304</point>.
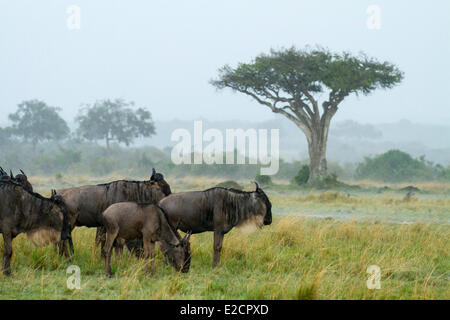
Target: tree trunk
<point>317,163</point>
<point>317,147</point>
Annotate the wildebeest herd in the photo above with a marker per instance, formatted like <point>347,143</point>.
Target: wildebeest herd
<point>135,214</point>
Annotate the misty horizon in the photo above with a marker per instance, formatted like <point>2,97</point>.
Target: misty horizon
<point>162,56</point>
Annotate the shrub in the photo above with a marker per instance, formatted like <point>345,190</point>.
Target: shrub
<point>395,166</point>
<point>263,180</point>
<point>302,176</point>
<point>331,180</point>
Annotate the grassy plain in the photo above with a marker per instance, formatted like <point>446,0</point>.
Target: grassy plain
<point>319,247</point>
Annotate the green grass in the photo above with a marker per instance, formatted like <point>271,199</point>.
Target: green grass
<point>294,258</point>
<point>297,257</point>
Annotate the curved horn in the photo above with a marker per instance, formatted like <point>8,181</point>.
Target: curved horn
<point>187,236</point>
<point>23,172</point>
<point>153,171</point>
<point>53,192</point>
<point>257,186</point>
<point>2,172</point>
<point>11,174</point>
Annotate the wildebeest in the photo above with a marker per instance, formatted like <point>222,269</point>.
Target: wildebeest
<point>87,203</point>
<point>131,220</point>
<point>217,209</point>
<point>44,220</point>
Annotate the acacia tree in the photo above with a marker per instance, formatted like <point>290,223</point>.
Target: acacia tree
<point>114,120</point>
<point>289,82</point>
<point>35,121</point>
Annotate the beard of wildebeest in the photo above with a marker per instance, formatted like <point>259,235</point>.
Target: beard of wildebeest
<point>42,219</point>
<point>218,210</point>
<point>87,203</point>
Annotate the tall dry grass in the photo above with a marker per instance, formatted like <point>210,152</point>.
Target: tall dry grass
<point>294,258</point>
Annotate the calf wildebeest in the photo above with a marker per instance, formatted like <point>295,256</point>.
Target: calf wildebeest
<point>87,203</point>
<point>44,220</point>
<point>217,209</point>
<point>131,220</point>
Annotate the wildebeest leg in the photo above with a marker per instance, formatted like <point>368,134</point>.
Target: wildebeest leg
<point>72,250</point>
<point>100,238</point>
<point>163,253</point>
<point>119,246</point>
<point>97,239</point>
<point>68,245</point>
<point>135,246</point>
<point>149,252</point>
<point>218,240</point>
<point>7,253</point>
<point>165,260</point>
<point>106,250</point>
<point>64,249</point>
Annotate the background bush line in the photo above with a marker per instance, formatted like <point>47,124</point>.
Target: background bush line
<point>74,157</point>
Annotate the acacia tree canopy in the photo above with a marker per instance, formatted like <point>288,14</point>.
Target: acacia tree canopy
<point>35,121</point>
<point>114,120</point>
<point>289,81</point>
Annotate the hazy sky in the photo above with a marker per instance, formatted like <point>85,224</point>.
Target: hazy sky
<point>161,54</point>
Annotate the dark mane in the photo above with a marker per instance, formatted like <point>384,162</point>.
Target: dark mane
<point>34,194</point>
<point>229,189</point>
<point>117,181</point>
<point>164,188</point>
<point>236,205</point>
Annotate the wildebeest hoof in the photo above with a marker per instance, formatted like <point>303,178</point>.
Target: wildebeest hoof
<point>110,275</point>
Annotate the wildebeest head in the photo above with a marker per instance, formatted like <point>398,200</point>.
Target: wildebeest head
<point>158,179</point>
<point>268,206</point>
<point>22,179</point>
<point>66,229</point>
<point>179,254</point>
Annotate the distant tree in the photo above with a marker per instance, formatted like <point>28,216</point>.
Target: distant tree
<point>35,121</point>
<point>114,120</point>
<point>290,81</point>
